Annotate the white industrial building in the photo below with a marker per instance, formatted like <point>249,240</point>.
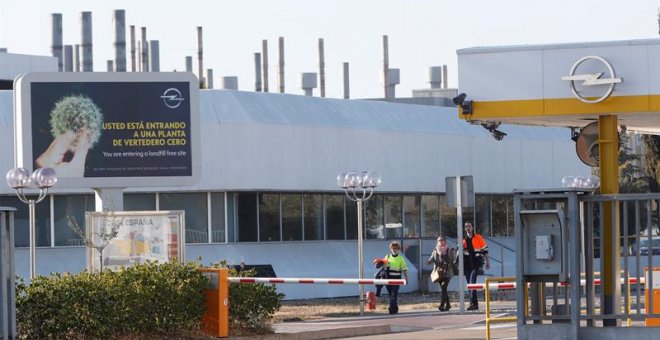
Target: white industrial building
<point>268,192</point>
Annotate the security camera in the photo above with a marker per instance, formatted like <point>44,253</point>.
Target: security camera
<point>498,135</point>
<point>458,100</point>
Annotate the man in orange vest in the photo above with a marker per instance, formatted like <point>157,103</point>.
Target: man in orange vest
<point>475,255</point>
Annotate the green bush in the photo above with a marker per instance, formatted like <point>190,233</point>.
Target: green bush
<point>146,298</point>
<point>251,305</point>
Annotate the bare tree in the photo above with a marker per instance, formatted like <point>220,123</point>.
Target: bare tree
<point>109,230</point>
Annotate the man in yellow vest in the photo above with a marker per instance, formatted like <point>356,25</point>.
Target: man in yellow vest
<point>396,268</point>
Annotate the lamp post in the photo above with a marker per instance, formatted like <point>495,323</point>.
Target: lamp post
<point>359,186</point>
<point>20,179</point>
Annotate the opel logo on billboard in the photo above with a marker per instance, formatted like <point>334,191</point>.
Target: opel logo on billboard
<point>172,98</point>
<point>592,79</point>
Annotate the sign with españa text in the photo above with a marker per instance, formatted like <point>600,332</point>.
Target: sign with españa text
<point>105,130</point>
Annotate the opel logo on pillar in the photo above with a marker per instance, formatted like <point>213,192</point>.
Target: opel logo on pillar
<point>172,98</point>
<point>592,79</point>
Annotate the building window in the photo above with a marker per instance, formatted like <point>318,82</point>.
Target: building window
<point>246,208</point>
<point>22,221</point>
<point>351,219</point>
<point>482,215</point>
<point>431,216</point>
<point>412,217</point>
<point>139,201</point>
<point>313,216</point>
<point>292,219</point>
<point>500,206</point>
<point>218,217</point>
<point>447,219</point>
<point>269,217</point>
<point>375,220</point>
<point>393,217</point>
<point>334,216</point>
<point>196,209</point>
<point>74,207</point>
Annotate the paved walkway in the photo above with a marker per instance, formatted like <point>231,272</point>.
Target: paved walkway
<point>405,325</point>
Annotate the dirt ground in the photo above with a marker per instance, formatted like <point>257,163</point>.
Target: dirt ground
<point>312,309</point>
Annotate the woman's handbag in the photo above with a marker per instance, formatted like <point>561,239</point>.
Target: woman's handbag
<point>435,276</point>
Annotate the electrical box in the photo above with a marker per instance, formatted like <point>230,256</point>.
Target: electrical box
<point>544,250</point>
<point>545,245</point>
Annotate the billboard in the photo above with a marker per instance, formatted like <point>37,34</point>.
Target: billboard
<point>156,236</point>
<point>103,130</point>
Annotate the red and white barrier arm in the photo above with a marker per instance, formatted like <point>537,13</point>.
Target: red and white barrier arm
<point>316,281</point>
<point>512,285</point>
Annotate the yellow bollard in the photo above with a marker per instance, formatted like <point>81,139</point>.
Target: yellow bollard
<point>216,319</point>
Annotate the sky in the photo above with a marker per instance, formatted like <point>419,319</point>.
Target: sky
<point>421,33</point>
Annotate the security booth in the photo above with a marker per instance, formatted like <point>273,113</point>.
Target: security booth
<point>7,274</point>
<point>598,90</point>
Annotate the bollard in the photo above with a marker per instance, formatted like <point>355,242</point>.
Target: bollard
<point>216,318</point>
<point>371,300</point>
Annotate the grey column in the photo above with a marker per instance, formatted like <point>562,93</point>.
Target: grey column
<point>110,66</point>
<point>120,40</point>
<point>56,44</point>
<point>87,54</point>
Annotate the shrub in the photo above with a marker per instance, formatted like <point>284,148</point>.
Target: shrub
<point>145,298</point>
<point>250,305</point>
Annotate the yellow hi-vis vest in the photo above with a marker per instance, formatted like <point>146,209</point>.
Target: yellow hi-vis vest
<point>396,266</point>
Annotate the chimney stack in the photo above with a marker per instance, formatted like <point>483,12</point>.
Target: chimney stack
<point>209,78</point>
<point>392,81</point>
<point>264,64</point>
<point>109,65</point>
<point>68,58</point>
<point>200,57</point>
<point>386,65</point>
<point>76,58</point>
<point>444,79</point>
<point>281,75</point>
<point>87,54</point>
<point>133,61</point>
<point>347,89</point>
<point>154,48</point>
<point>321,67</point>
<point>189,65</point>
<point>144,51</point>
<point>120,40</point>
<point>56,41</point>
<point>257,72</point>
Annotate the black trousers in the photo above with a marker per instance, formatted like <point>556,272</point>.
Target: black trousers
<point>444,297</point>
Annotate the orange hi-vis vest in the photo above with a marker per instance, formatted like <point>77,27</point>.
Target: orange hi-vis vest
<point>479,245</point>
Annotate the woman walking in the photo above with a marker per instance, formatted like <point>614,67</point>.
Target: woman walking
<point>443,259</point>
